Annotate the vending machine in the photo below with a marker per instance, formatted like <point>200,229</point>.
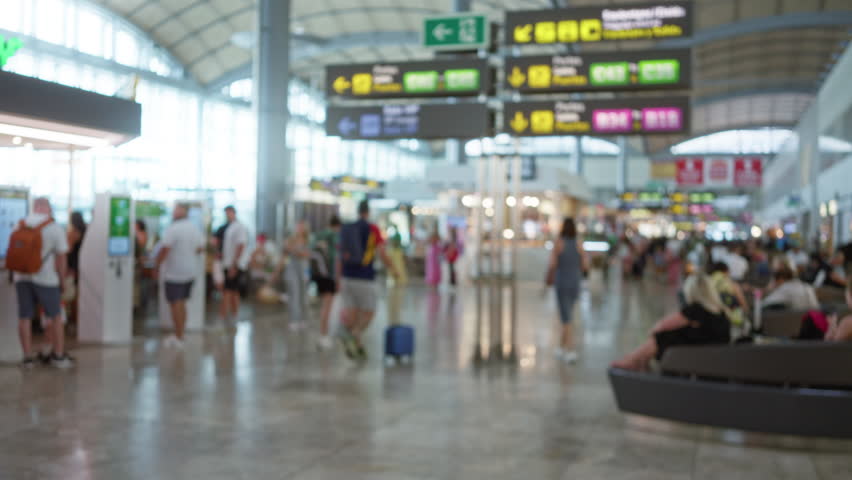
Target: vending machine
<point>14,205</point>
<point>106,272</point>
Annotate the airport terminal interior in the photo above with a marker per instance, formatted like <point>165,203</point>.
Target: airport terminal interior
<point>457,239</point>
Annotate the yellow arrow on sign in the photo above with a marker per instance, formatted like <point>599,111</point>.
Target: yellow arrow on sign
<point>517,78</point>
<point>523,33</point>
<point>341,84</point>
<point>519,123</point>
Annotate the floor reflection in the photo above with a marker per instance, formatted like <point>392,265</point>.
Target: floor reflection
<point>263,402</point>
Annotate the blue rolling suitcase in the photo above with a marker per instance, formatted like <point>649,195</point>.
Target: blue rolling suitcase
<point>399,342</point>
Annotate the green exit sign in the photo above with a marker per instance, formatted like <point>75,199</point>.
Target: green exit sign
<point>8,47</point>
<point>457,32</point>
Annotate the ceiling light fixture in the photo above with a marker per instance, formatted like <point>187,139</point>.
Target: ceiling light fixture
<point>52,136</point>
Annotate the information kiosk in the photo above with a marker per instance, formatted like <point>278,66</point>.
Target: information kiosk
<point>195,310</point>
<point>14,205</point>
<point>106,272</point>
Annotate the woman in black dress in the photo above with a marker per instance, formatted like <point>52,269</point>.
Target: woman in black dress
<point>702,321</point>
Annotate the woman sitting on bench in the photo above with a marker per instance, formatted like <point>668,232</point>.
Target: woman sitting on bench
<point>841,331</point>
<point>702,321</point>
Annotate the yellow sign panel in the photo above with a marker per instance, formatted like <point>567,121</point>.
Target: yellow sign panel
<point>539,76</point>
<point>542,121</point>
<point>545,32</point>
<point>664,171</point>
<point>341,84</point>
<point>517,78</point>
<point>362,83</point>
<point>519,123</point>
<point>523,34</point>
<point>590,30</point>
<point>566,31</point>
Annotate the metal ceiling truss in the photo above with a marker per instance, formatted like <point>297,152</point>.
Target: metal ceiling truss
<point>129,25</point>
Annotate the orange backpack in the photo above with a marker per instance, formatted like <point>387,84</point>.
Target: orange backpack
<point>24,252</point>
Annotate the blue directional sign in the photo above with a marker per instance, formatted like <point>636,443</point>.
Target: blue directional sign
<point>428,122</point>
<point>371,125</point>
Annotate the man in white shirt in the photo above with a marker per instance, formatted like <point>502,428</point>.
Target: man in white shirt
<point>178,262</point>
<point>737,264</point>
<point>798,259</point>
<point>718,253</point>
<point>235,260</point>
<point>790,292</point>
<point>44,288</point>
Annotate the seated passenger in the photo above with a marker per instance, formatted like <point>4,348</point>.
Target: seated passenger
<point>841,331</point>
<point>702,321</point>
<point>737,264</point>
<point>790,293</point>
<point>729,291</point>
<point>827,273</point>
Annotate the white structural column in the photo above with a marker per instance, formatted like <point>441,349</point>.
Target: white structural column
<point>271,81</point>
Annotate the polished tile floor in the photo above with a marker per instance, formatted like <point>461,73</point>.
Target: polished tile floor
<point>262,403</point>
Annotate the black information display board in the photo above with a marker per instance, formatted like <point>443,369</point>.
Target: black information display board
<point>623,116</point>
<point>625,22</point>
<point>638,70</point>
<point>461,120</point>
<point>440,78</point>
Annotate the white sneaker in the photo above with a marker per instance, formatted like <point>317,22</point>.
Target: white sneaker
<point>173,342</point>
<point>295,326</point>
<point>325,343</point>
<point>569,356</point>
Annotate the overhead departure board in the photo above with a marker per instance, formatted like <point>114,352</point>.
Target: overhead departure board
<point>645,70</point>
<point>447,78</point>
<point>640,21</point>
<point>429,122</point>
<point>620,116</point>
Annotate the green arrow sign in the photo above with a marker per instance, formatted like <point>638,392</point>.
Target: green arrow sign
<point>8,47</point>
<point>458,32</point>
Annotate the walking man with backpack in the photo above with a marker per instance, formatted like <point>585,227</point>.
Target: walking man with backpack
<point>360,243</point>
<point>37,254</point>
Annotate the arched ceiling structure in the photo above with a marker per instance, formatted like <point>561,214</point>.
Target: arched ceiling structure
<point>757,62</point>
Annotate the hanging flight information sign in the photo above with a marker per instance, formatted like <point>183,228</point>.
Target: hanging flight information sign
<point>448,78</point>
<point>646,70</point>
<point>603,117</point>
<point>459,120</point>
<point>643,21</point>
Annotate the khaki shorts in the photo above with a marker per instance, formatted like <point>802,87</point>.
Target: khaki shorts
<point>357,294</point>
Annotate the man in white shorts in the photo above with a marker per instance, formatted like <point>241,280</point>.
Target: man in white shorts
<point>178,262</point>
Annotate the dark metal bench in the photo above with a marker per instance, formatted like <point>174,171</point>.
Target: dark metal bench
<point>800,388</point>
<point>787,323</point>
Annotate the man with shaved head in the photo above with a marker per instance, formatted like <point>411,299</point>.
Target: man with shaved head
<point>43,288</point>
<point>178,261</point>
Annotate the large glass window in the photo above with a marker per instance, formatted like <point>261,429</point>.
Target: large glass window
<point>51,20</point>
<point>81,25</point>
<point>90,33</point>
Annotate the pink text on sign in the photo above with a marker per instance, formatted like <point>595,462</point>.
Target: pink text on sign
<point>663,119</point>
<point>613,120</point>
